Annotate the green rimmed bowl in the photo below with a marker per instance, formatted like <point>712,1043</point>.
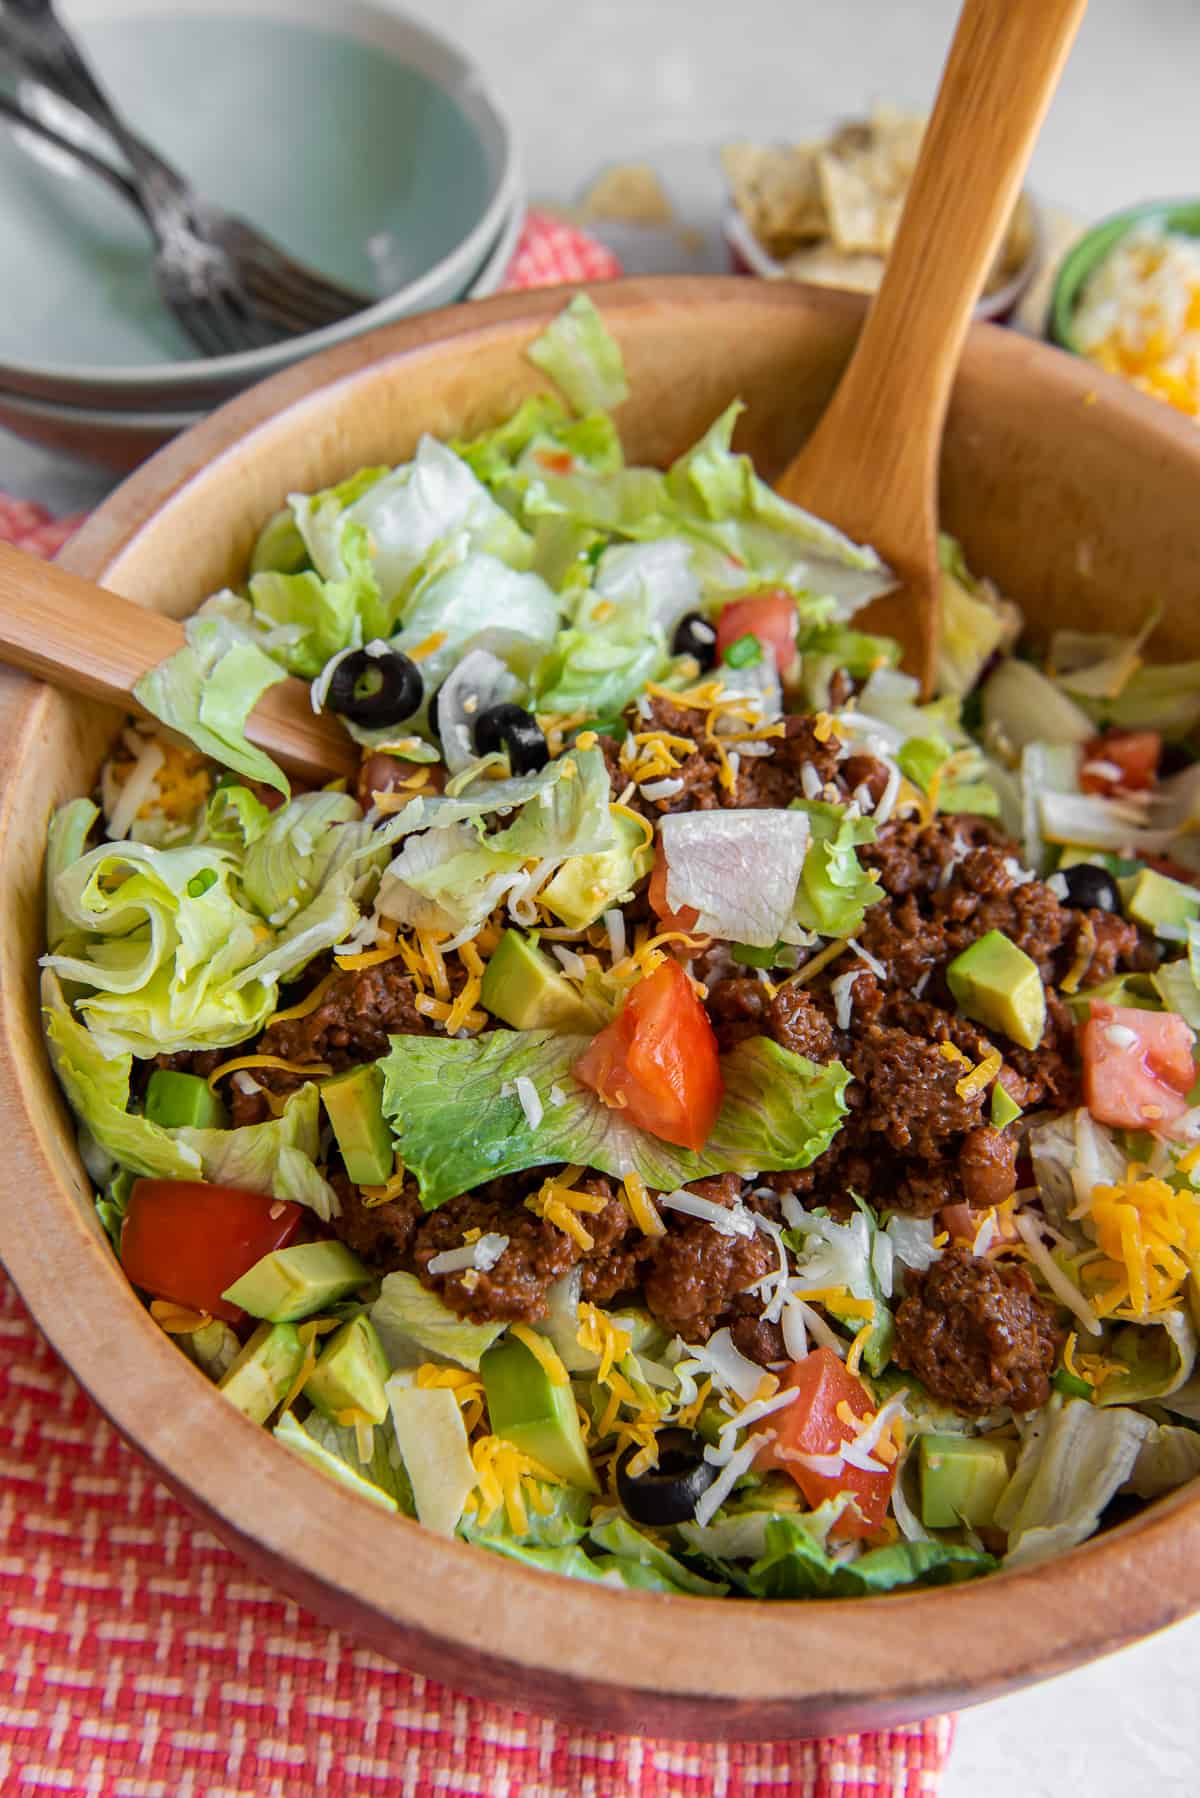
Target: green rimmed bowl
<point>1082,261</point>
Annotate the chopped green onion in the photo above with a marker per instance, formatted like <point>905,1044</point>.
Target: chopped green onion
<point>1071,1386</point>
<point>199,884</point>
<point>749,957</point>
<point>745,651</point>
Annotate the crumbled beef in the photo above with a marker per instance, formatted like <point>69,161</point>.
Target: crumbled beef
<point>797,1023</point>
<point>515,1289</point>
<point>911,1090</point>
<point>354,1019</point>
<point>613,1263</point>
<point>977,1335</point>
<point>754,1337</point>
<point>381,1233</point>
<point>695,1273</point>
<point>737,1007</point>
<point>247,1105</point>
<point>912,858</point>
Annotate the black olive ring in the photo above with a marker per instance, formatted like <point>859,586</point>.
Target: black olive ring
<point>695,636</point>
<point>668,1492</point>
<point>375,690</point>
<point>509,728</point>
<point>1090,888</point>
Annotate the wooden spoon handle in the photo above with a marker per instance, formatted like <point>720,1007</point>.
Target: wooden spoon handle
<point>890,405</point>
<point>91,641</point>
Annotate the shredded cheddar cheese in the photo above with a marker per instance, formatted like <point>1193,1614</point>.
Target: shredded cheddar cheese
<point>393,1187</point>
<point>980,1076</point>
<point>1150,1237</point>
<point>466,1387</point>
<point>306,1005</point>
<point>178,1320</point>
<point>505,1477</point>
<point>311,1070</point>
<point>641,1207</point>
<point>559,1202</point>
<point>543,1350</point>
<point>599,1335</point>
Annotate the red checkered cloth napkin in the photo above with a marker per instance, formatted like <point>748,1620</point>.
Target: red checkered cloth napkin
<point>139,1660</point>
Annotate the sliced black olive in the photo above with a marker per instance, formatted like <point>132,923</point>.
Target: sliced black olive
<point>508,727</point>
<point>695,636</point>
<point>375,690</point>
<point>431,712</point>
<point>666,1493</point>
<point>1089,888</point>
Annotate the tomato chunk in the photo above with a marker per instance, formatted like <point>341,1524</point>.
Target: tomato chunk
<point>187,1241</point>
<point>1138,1066</point>
<point>657,1061</point>
<point>770,616</point>
<point>686,918</point>
<point>1132,754</point>
<point>810,1425</point>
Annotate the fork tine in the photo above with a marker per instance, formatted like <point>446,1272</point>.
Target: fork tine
<point>196,320</point>
<point>294,309</point>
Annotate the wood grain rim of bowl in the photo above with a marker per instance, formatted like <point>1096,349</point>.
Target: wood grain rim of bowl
<point>1063,485</point>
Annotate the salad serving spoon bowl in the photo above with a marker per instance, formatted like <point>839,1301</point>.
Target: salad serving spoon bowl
<point>871,465</point>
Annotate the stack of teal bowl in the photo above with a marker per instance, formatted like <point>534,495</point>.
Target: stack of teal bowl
<point>361,141</point>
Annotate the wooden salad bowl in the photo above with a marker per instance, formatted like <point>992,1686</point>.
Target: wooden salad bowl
<point>1080,498</point>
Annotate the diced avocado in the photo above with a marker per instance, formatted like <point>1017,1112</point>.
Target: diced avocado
<point>1005,1109</point>
<point>997,985</point>
<point>354,1102</point>
<point>298,1282</point>
<point>432,1439</point>
<point>962,1478</point>
<point>351,1373</point>
<point>526,1408</point>
<point>586,885</point>
<point>522,986</point>
<point>1152,899</point>
<point>174,1100</point>
<point>264,1370</point>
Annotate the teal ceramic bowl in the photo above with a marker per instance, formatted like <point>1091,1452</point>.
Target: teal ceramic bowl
<point>363,142</point>
<point>1094,246</point>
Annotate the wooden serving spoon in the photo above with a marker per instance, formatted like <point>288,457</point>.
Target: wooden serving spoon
<point>871,465</point>
<point>91,641</point>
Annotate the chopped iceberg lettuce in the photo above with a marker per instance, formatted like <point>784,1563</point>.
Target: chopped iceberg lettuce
<point>414,1326</point>
<point>835,889</point>
<point>619,1537</point>
<point>582,358</point>
<point>207,690</point>
<point>796,1566</point>
<point>277,1157</point>
<point>556,1517</point>
<point>1074,1458</point>
<point>976,621</point>
<point>70,827</point>
<point>459,1121</point>
<point>304,1440</point>
<point>739,870</point>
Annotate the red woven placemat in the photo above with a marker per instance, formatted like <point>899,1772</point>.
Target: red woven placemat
<point>139,1659</point>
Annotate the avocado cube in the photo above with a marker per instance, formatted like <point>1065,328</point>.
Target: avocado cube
<point>527,1409</point>
<point>962,1478</point>
<point>351,1372</point>
<point>998,985</point>
<point>175,1100</point>
<point>264,1370</point>
<point>1152,899</point>
<point>586,885</point>
<point>298,1282</point>
<point>354,1103</point>
<point>522,986</point>
<point>1004,1109</point>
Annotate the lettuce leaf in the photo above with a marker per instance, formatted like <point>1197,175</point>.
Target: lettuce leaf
<point>835,889</point>
<point>582,358</point>
<point>70,827</point>
<point>1074,1458</point>
<point>277,1158</point>
<point>796,1566</point>
<point>97,1086</point>
<point>171,956</point>
<point>829,1254</point>
<point>385,1468</point>
<point>310,619</point>
<point>619,1537</point>
<point>1168,1457</point>
<point>458,1121</point>
<point>414,1326</point>
<point>558,1517</point>
<point>302,1440</point>
<point>207,690</point>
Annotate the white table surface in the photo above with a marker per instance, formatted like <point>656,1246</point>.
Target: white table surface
<point>668,80</point>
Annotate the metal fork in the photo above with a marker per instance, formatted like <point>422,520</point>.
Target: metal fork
<point>231,287</point>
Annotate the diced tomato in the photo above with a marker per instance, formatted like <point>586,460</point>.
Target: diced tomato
<point>1138,1066</point>
<point>187,1241</point>
<point>556,461</point>
<point>770,616</point>
<point>686,918</point>
<point>657,1061</point>
<point>1134,753</point>
<point>810,1425</point>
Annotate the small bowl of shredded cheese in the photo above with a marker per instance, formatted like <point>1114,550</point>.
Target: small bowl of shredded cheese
<point>1128,298</point>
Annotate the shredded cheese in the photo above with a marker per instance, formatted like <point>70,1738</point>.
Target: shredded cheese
<point>504,1476</point>
<point>640,1206</point>
<point>599,1335</point>
<point>543,1350</point>
<point>980,1076</point>
<point>307,1005</point>
<point>559,1202</point>
<point>394,1186</point>
<point>311,1070</point>
<point>1150,1235</point>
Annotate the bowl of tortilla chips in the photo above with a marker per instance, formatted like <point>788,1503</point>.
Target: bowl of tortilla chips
<point>827,212</point>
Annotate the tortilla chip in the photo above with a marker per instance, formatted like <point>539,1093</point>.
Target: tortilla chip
<point>630,192</point>
<point>776,189</point>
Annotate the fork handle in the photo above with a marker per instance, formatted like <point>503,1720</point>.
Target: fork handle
<point>36,38</point>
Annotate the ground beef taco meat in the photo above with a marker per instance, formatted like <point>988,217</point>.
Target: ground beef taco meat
<point>977,1335</point>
